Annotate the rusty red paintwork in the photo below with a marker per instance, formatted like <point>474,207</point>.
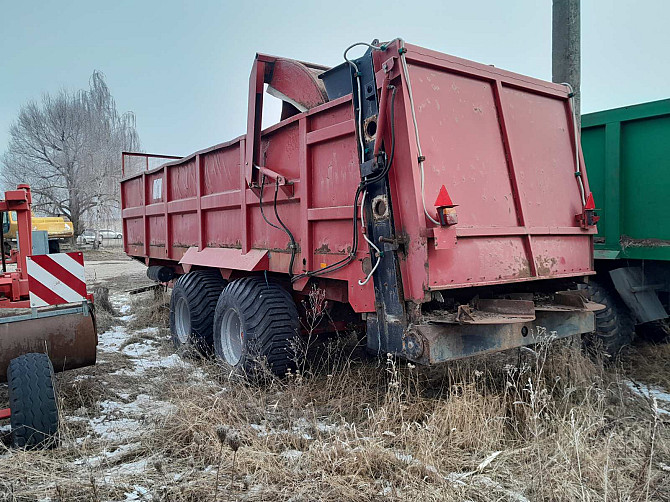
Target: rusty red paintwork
<point>502,144</point>
<point>69,339</point>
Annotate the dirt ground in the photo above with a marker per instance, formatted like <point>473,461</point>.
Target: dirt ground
<point>113,269</point>
<point>147,424</point>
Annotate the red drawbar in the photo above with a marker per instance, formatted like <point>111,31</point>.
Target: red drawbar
<point>5,413</point>
<point>443,199</point>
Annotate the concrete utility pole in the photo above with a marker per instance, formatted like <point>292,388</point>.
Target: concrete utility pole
<point>565,47</point>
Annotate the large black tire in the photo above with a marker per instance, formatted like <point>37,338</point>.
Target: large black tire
<point>615,327</point>
<point>263,317</point>
<point>32,401</point>
<point>192,305</point>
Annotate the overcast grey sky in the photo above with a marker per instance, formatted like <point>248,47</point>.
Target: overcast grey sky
<point>183,67</point>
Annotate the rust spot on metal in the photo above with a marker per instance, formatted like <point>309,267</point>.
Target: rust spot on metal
<point>69,339</point>
<point>323,249</point>
<point>545,265</point>
<point>627,241</point>
<point>522,269</point>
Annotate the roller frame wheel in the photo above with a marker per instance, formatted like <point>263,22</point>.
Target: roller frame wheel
<point>32,400</point>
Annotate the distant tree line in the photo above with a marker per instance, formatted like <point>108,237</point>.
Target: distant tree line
<point>68,148</point>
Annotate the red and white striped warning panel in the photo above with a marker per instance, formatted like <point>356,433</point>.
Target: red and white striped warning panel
<point>54,279</point>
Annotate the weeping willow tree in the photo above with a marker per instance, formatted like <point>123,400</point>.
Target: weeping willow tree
<point>68,148</point>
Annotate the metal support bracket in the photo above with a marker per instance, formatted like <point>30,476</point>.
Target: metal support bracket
<point>386,328</point>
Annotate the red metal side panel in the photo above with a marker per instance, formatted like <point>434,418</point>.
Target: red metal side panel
<point>542,144</point>
<point>201,198</point>
<point>462,142</point>
<point>133,201</point>
<point>182,179</point>
<point>221,197</point>
<point>503,146</point>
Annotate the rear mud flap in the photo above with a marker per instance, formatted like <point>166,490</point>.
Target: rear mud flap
<point>638,292</point>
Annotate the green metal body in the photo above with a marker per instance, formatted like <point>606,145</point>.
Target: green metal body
<point>627,155</point>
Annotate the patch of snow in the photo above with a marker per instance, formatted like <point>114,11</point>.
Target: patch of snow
<point>291,455</point>
<point>140,349</point>
<point>386,491</point>
<point>125,420</point>
<point>457,478</point>
<point>130,469</point>
<point>111,340</point>
<point>142,404</point>
<point>109,457</point>
<point>263,431</point>
<point>138,493</point>
<point>121,302</point>
<point>652,393</point>
<point>327,428</point>
<point>82,378</point>
<point>153,361</point>
<point>116,429</point>
<point>299,428</point>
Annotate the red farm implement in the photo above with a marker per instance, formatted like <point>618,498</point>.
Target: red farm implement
<point>48,326</point>
<point>439,203</point>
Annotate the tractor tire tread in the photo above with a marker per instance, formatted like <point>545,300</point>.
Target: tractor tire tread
<point>202,289</point>
<point>32,400</point>
<point>270,322</point>
<point>615,327</point>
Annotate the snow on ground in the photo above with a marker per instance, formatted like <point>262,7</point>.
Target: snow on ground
<point>111,340</point>
<point>653,394</point>
<point>117,422</point>
<point>144,353</point>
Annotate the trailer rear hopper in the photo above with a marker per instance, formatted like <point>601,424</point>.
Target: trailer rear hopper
<point>477,220</point>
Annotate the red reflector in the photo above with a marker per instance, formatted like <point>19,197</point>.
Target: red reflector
<point>590,204</point>
<point>443,199</point>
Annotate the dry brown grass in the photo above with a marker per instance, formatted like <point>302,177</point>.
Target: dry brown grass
<point>649,362</point>
<point>541,424</point>
<point>104,321</point>
<point>151,310</point>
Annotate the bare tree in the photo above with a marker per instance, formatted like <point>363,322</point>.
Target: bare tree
<point>68,148</point>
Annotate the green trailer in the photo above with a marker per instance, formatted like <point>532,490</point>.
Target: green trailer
<point>627,155</point>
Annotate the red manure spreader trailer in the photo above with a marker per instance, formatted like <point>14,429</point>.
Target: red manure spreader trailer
<point>439,203</point>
